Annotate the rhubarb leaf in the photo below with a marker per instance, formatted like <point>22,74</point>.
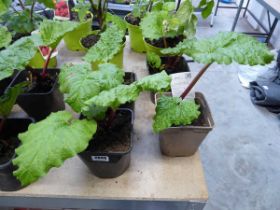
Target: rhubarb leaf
<point>206,6</point>
<point>52,31</point>
<point>49,143</point>
<point>82,10</point>
<point>81,83</point>
<point>8,99</point>
<point>5,37</point>
<point>48,3</point>
<point>153,60</point>
<point>117,21</point>
<point>109,44</point>
<point>173,111</point>
<point>225,48</point>
<point>155,83</point>
<point>17,56</point>
<point>4,6</point>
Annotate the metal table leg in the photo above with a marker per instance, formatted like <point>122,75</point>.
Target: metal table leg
<point>271,30</point>
<point>237,15</point>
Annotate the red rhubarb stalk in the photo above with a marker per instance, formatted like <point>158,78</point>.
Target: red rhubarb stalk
<point>44,72</point>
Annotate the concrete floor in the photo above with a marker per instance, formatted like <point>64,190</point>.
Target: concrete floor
<point>241,173</point>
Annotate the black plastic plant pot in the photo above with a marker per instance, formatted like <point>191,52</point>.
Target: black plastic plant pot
<point>12,127</point>
<point>109,164</point>
<point>181,141</point>
<point>39,105</point>
<point>129,78</point>
<point>171,64</point>
<point>4,83</point>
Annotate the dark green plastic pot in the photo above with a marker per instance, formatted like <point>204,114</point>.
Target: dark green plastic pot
<point>136,38</point>
<point>72,39</point>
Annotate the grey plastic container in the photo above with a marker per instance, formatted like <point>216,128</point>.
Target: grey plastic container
<point>185,140</point>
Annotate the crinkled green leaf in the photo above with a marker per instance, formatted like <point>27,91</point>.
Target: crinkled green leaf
<point>116,20</point>
<point>139,8</point>
<point>109,44</point>
<point>5,37</point>
<point>158,24</point>
<point>173,111</point>
<point>81,83</point>
<point>82,10</point>
<point>207,7</point>
<point>225,48</point>
<point>155,83</point>
<point>49,143</point>
<point>16,56</point>
<point>153,60</point>
<point>52,31</point>
<point>4,6</point>
<point>8,99</point>
<point>113,98</point>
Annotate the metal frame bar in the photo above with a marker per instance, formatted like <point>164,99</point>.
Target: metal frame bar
<point>51,203</point>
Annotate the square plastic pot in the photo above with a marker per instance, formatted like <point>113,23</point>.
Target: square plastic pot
<point>40,105</point>
<point>5,83</point>
<point>108,164</point>
<point>185,140</point>
<point>11,128</point>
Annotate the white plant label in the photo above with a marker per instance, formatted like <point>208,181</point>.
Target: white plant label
<point>179,83</point>
<point>100,158</point>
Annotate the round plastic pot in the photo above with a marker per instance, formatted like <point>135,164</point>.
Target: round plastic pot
<point>151,48</point>
<point>40,105</point>
<point>38,61</point>
<point>12,127</point>
<point>117,59</point>
<point>108,164</point>
<point>184,141</point>
<point>72,39</point>
<point>84,49</point>
<point>136,38</point>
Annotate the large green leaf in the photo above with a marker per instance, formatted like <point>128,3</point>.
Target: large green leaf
<point>48,3</point>
<point>17,56</point>
<point>4,5</point>
<point>173,111</point>
<point>113,98</point>
<point>109,44</point>
<point>155,83</point>
<point>158,24</point>
<point>5,37</point>
<point>81,83</point>
<point>8,99</point>
<point>49,143</point>
<point>52,31</point>
<point>82,10</point>
<point>225,48</point>
<point>206,6</point>
<point>116,20</point>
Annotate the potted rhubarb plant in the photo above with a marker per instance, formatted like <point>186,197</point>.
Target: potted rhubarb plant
<point>97,95</point>
<point>183,123</point>
<point>21,22</point>
<point>43,96</point>
<point>80,13</point>
<point>164,29</point>
<point>107,43</point>
<point>10,127</point>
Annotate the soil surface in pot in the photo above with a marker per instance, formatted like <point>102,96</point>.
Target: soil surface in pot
<point>171,64</point>
<point>116,137</point>
<point>90,40</point>
<point>7,149</point>
<point>40,84</point>
<point>171,42</point>
<point>133,20</point>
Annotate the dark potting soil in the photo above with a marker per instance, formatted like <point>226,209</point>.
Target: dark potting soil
<point>171,64</point>
<point>40,84</point>
<point>115,138</point>
<point>90,40</point>
<point>133,20</point>
<point>7,149</point>
<point>171,42</point>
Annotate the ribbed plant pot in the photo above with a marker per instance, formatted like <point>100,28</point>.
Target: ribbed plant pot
<point>72,39</point>
<point>12,127</point>
<point>136,38</point>
<point>39,105</point>
<point>109,164</point>
<point>185,140</point>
